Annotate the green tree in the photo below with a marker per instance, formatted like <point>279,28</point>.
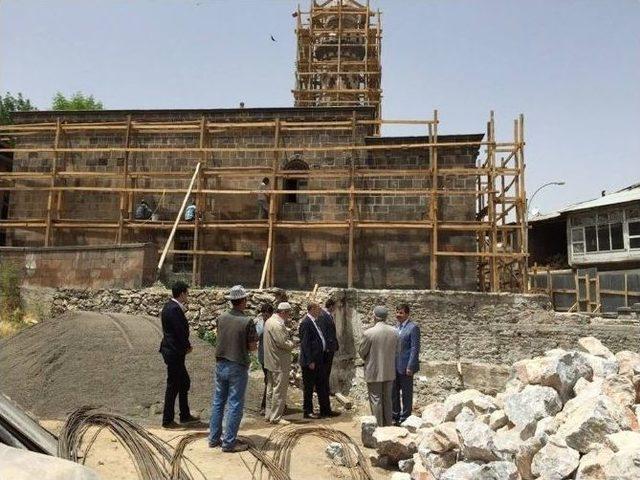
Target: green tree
<point>10,103</point>
<point>77,101</point>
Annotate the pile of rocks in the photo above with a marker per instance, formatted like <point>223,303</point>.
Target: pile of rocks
<point>567,414</point>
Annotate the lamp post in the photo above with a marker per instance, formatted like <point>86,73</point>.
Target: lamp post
<point>530,201</point>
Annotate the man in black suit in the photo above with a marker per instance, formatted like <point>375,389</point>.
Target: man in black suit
<point>327,325</point>
<point>313,347</point>
<point>174,347</point>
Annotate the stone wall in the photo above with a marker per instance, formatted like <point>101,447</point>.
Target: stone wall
<point>383,258</point>
<point>468,339</point>
<point>86,267</point>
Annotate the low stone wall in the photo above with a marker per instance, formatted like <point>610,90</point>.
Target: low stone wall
<point>94,267</point>
<point>469,339</point>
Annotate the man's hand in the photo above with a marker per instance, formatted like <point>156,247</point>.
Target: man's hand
<point>409,372</point>
<point>312,366</point>
<point>253,346</point>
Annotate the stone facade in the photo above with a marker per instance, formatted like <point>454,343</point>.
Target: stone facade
<point>383,258</point>
<point>86,267</point>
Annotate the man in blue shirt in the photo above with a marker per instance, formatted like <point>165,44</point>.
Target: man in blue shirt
<point>407,364</point>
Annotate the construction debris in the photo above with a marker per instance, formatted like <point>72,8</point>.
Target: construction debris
<point>561,413</point>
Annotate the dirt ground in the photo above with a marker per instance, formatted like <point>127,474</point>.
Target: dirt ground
<point>309,460</point>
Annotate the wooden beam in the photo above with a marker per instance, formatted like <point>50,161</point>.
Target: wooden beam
<point>352,206</point>
<point>178,217</point>
<point>265,267</point>
<point>48,234</point>
<point>125,173</point>
<point>433,154</point>
<point>196,260</point>
<point>273,204</point>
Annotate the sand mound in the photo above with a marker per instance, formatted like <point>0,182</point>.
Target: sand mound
<point>105,360</point>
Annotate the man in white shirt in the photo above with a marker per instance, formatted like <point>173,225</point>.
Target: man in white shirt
<point>263,199</point>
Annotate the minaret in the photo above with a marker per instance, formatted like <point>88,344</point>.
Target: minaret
<point>338,55</point>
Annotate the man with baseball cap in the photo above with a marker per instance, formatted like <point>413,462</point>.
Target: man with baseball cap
<point>277,361</point>
<point>236,337</point>
<point>378,349</point>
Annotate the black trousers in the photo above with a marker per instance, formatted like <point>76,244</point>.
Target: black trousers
<point>178,383</point>
<point>263,404</point>
<point>317,380</point>
<point>328,360</point>
<point>402,392</point>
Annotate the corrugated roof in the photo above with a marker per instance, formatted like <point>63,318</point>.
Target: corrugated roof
<point>541,217</point>
<point>628,194</point>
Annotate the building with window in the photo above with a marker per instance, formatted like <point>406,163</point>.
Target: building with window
<point>603,233</point>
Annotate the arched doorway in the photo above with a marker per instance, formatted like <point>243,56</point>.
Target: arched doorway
<point>295,183</point>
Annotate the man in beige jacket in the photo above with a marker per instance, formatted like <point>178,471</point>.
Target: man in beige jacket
<point>378,349</point>
<point>277,362</point>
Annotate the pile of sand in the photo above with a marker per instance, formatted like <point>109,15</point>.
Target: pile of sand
<point>104,360</point>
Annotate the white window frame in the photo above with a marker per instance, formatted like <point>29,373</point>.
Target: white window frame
<point>629,236</point>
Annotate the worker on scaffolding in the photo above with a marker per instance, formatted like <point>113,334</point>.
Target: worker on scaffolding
<point>190,211</point>
<point>143,211</point>
<point>263,200</point>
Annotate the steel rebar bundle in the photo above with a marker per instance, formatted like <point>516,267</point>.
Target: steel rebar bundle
<point>150,454</point>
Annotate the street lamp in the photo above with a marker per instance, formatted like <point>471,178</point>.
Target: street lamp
<point>530,201</point>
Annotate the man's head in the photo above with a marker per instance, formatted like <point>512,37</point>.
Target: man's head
<point>266,310</point>
<point>330,305</point>
<point>402,312</point>
<point>284,310</point>
<point>380,313</point>
<point>180,291</point>
<point>265,180</point>
<point>313,309</point>
<point>143,202</point>
<point>238,297</point>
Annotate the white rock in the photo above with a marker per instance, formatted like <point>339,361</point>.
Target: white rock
<point>437,463</point>
<point>506,444</point>
<point>592,464</point>
<point>533,403</point>
<point>497,471</point>
<point>465,415</point>
<point>419,471</point>
<point>412,423</point>
<point>338,454</point>
<point>595,347</point>
<point>620,388</point>
<point>623,465</point>
<point>546,427</point>
<point>433,414</point>
<point>623,440</point>
<point>461,471</point>
<point>555,460</point>
<point>558,372</point>
<point>472,399</point>
<point>476,441</point>
<point>498,419</point>
<point>394,443</point>
<point>368,425</point>
<point>588,424</point>
<point>400,476</point>
<point>585,387</point>
<point>440,439</point>
<point>629,362</point>
<point>602,367</point>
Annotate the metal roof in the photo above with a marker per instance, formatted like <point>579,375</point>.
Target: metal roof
<point>628,194</point>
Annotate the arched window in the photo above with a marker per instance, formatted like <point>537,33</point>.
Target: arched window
<point>294,183</point>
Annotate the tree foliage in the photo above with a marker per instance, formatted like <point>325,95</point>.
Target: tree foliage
<point>77,101</point>
<point>10,103</point>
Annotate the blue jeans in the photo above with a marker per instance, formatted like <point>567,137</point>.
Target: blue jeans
<point>231,380</point>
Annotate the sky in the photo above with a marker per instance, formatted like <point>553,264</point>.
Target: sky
<point>571,67</point>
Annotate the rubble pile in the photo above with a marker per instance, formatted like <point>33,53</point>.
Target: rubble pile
<point>567,414</point>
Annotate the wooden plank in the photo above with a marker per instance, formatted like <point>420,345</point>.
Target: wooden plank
<point>265,266</point>
<point>273,203</point>
<point>178,217</point>
<point>48,234</point>
<point>433,165</point>
<point>351,208</point>
<point>125,173</point>
<point>195,280</point>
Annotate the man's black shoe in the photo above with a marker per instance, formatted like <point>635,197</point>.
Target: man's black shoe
<point>311,416</point>
<point>170,425</point>
<point>215,444</point>
<point>190,419</point>
<point>330,414</point>
<point>237,448</point>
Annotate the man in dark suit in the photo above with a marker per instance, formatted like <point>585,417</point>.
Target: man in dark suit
<point>327,324</point>
<point>407,364</point>
<point>313,347</point>
<point>174,347</point>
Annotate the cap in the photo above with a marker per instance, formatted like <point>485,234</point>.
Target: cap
<point>237,292</point>
<point>284,306</point>
<point>381,311</point>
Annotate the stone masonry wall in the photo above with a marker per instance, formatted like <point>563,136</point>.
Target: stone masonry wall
<point>394,259</point>
<point>468,339</point>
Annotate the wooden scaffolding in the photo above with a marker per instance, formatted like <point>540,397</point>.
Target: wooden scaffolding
<point>499,227</point>
<point>338,55</point>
